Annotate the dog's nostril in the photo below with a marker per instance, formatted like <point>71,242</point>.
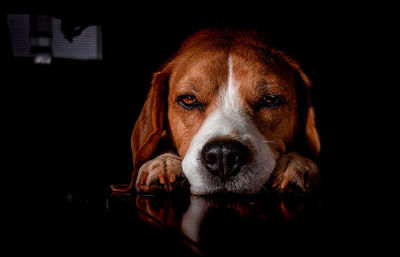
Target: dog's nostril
<point>210,157</point>
<point>224,158</point>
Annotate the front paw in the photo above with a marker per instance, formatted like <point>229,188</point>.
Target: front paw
<point>162,174</point>
<point>294,173</point>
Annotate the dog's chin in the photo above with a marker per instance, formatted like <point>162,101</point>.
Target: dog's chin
<point>244,184</point>
<point>222,190</point>
<point>205,190</point>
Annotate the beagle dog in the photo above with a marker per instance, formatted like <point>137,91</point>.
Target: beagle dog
<point>228,113</point>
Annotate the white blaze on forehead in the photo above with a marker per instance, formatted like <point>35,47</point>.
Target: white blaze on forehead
<point>229,118</point>
<point>231,100</point>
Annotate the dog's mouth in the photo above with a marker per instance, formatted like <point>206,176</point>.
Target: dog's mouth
<point>247,181</point>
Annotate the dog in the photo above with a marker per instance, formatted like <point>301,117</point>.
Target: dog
<point>228,113</point>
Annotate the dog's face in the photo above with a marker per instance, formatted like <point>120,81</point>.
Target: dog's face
<point>230,117</point>
<point>232,108</point>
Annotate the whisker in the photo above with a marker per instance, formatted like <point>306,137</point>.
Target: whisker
<point>264,188</point>
<point>265,168</point>
<point>267,141</point>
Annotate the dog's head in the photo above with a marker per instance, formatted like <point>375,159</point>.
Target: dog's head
<point>230,105</point>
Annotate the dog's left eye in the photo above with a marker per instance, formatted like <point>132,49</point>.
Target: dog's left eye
<point>188,101</point>
<point>271,101</point>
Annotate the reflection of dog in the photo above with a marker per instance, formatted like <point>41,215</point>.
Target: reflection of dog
<point>215,222</point>
<point>226,112</point>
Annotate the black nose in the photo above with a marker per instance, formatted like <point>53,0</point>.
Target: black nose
<point>224,158</point>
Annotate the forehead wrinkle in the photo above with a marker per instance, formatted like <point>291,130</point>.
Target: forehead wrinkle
<point>190,81</point>
<point>201,72</point>
<point>265,86</point>
<point>257,75</point>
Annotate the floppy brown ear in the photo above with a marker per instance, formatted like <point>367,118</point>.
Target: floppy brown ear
<point>148,127</point>
<point>311,133</point>
<point>307,125</point>
<point>310,130</point>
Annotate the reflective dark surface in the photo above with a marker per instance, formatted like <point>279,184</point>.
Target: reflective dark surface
<point>188,225</point>
<point>229,224</point>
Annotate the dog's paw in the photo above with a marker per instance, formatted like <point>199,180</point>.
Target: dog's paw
<point>294,173</point>
<point>161,174</point>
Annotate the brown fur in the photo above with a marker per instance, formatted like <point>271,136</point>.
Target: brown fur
<point>200,67</point>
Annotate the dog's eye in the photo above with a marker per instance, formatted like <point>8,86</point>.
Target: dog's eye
<point>188,101</point>
<point>271,101</point>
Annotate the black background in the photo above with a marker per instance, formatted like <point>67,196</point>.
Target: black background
<point>70,123</point>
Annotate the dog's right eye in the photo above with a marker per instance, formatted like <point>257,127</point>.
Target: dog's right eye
<point>188,101</point>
